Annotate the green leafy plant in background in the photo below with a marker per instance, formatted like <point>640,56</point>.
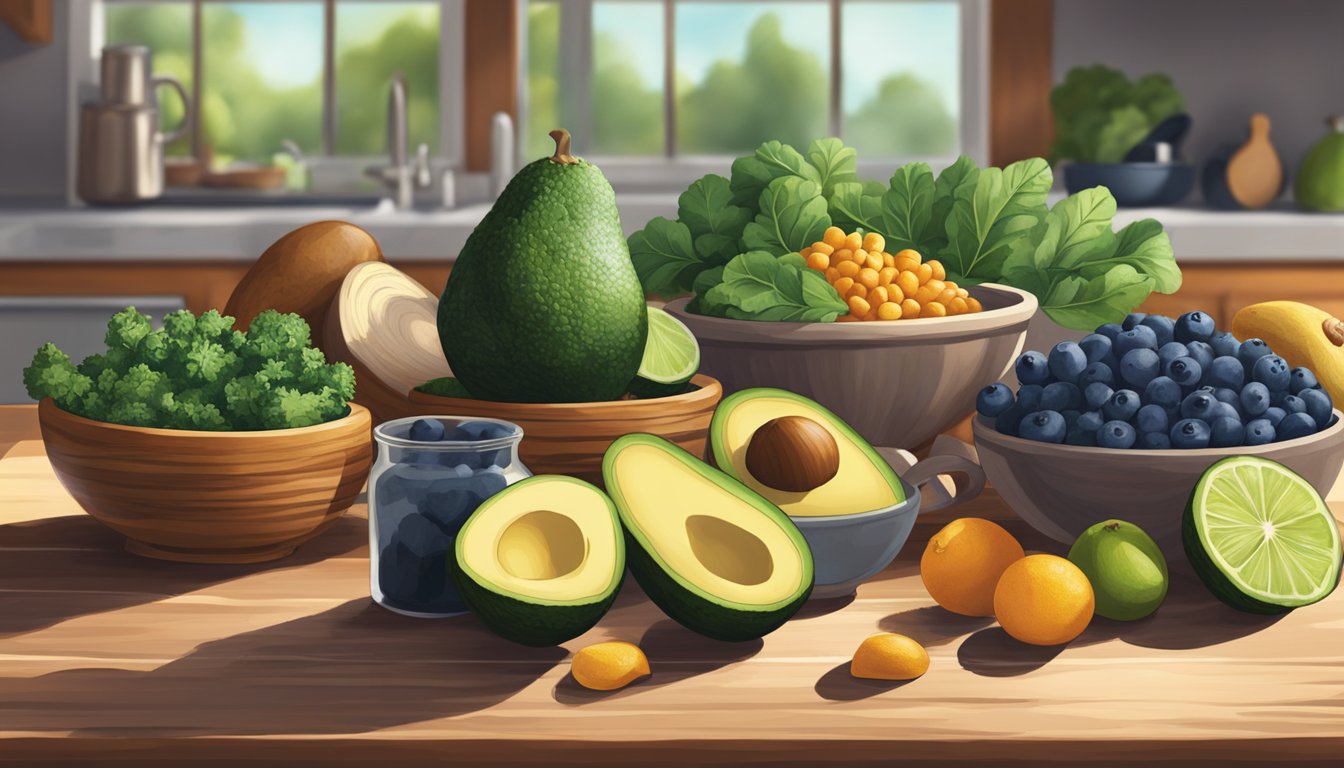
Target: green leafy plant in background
<point>198,373</point>
<point>735,242</point>
<point>1100,115</point>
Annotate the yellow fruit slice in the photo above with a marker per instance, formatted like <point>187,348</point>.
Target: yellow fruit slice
<point>889,657</point>
<point>963,562</point>
<point>1044,600</point>
<point>608,666</point>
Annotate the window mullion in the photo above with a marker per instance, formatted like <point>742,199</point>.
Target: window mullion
<point>329,79</point>
<point>194,109</point>
<point>836,102</point>
<point>669,79</point>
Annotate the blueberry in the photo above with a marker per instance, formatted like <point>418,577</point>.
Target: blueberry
<point>1081,437</point>
<point>1112,362</point>
<point>1163,327</point>
<point>421,559</point>
<point>1132,319</point>
<point>426,430</point>
<point>1006,423</point>
<point>1201,353</point>
<point>1122,406</point>
<point>1198,405</point>
<point>1190,433</point>
<point>1066,361</point>
<point>1154,441</point>
<point>1095,346</point>
<point>1162,391</point>
<point>1043,427</point>
<point>1096,372</point>
<point>1272,371</point>
<point>1061,396</point>
<point>488,482</point>
<point>1152,418</point>
<point>1228,396</point>
<point>1139,337</point>
<point>1090,421</point>
<point>450,502</point>
<point>1293,404</point>
<point>1227,372</point>
<point>1250,351</point>
<point>484,430</point>
<point>993,400</point>
<point>1226,411</point>
<point>1110,330</point>
<point>1259,432</point>
<point>1319,407</point>
<point>1139,367</point>
<point>1194,326</point>
<point>1302,378</point>
<point>1224,344</point>
<point>1276,398</point>
<point>1070,417</point>
<point>1116,434</point>
<point>1275,415</point>
<point>1254,399</point>
<point>1029,397</point>
<point>1172,350</point>
<point>1295,425</point>
<point>1032,368</point>
<point>1226,433</point>
<point>1184,371</point>
<point>1096,395</point>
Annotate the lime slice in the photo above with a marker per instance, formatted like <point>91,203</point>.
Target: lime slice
<point>1260,537</point>
<point>671,357</point>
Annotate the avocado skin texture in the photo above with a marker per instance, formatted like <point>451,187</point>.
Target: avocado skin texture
<point>543,304</point>
<point>527,623</point>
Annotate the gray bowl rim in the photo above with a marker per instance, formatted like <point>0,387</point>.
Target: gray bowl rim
<point>822,522</point>
<point>1143,165</point>
<point>1021,308</point>
<point>983,431</point>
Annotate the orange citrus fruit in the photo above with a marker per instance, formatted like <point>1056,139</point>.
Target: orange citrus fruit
<point>1044,600</point>
<point>608,666</point>
<point>889,656</point>
<point>963,562</point>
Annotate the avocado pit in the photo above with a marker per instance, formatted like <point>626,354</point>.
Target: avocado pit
<point>792,453</point>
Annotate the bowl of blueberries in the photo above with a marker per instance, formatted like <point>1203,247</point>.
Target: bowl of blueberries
<point>1123,423</point>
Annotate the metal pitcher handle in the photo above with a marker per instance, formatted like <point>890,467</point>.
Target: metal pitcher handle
<point>181,129</point>
<point>949,456</point>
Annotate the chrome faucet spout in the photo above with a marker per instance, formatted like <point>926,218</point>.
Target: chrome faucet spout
<point>400,175</point>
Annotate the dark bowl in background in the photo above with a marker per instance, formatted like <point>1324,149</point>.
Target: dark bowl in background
<point>1134,185</point>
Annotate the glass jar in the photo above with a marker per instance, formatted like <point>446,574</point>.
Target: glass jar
<point>420,494</point>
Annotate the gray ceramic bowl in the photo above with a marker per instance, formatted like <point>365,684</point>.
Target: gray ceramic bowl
<point>1061,490</point>
<point>898,382</point>
<point>847,550</point>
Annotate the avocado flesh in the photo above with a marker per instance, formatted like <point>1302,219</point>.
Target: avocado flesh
<point>713,555</point>
<point>864,481</point>
<point>543,304</point>
<point>541,561</point>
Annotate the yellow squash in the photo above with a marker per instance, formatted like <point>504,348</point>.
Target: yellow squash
<point>1303,335</point>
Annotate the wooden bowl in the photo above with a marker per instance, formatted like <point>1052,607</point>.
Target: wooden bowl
<point>210,497</point>
<point>570,438</point>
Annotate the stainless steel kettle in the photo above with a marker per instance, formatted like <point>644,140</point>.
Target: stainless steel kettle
<point>120,145</point>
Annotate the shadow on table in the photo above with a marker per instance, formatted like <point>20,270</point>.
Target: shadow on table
<point>932,625</point>
<point>351,669</point>
<point>838,685</point>
<point>74,566</point>
<point>675,654</point>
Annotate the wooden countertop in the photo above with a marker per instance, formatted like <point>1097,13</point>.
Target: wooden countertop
<point>107,658</point>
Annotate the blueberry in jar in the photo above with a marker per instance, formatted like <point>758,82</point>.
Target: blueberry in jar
<point>1199,405</point>
<point>1032,368</point>
<point>1250,351</point>
<point>1116,434</point>
<point>1163,327</point>
<point>1295,425</point>
<point>1139,337</point>
<point>1043,426</point>
<point>1190,433</point>
<point>1194,326</point>
<point>1184,371</point>
<point>1227,372</point>
<point>1122,406</point>
<point>1224,344</point>
<point>1300,379</point>
<point>1272,371</point>
<point>1162,391</point>
<point>1096,373</point>
<point>426,430</point>
<point>993,400</point>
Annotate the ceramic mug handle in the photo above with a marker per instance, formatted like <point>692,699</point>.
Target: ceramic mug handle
<point>959,462</point>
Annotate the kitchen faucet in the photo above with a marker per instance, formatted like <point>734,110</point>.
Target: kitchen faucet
<point>400,175</point>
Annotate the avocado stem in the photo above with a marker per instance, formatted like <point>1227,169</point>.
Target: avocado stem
<point>562,155</point>
<point>1334,331</point>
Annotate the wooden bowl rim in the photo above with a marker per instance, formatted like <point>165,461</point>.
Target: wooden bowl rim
<point>708,389</point>
<point>49,411</point>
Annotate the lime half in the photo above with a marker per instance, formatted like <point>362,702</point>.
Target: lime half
<point>671,357</point>
<point>1260,537</point>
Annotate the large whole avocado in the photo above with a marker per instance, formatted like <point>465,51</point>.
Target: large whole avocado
<point>1320,179</point>
<point>543,304</point>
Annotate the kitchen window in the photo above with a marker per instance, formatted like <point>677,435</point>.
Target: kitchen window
<point>307,76</point>
<point>660,85</point>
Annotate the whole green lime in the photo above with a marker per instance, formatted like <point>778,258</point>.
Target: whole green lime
<point>1126,568</point>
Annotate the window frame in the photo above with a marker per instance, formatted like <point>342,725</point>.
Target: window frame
<point>674,170</point>
<point>331,173</point>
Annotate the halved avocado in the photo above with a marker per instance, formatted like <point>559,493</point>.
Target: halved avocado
<point>863,481</point>
<point>712,554</point>
<point>541,561</point>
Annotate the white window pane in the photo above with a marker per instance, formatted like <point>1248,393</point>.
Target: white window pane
<point>543,77</point>
<point>902,97</point>
<point>627,81</point>
<point>375,40</point>
<point>166,29</point>
<point>261,78</point>
<point>748,72</point>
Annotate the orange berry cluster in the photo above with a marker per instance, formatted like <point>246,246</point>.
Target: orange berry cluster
<point>880,286</point>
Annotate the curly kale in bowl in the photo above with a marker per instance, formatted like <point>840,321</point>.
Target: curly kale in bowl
<point>198,373</point>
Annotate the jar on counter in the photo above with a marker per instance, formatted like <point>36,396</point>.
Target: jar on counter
<point>431,473</point>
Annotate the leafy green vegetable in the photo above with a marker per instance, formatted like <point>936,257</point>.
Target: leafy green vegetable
<point>714,222</point>
<point>792,217</point>
<point>907,208</point>
<point>1100,115</point>
<point>664,256</point>
<point>1076,302</point>
<point>772,160</point>
<point>760,286</point>
<point>835,163</point>
<point>198,373</point>
<point>990,216</point>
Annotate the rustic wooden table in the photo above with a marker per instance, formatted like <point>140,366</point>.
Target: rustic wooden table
<point>107,658</point>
